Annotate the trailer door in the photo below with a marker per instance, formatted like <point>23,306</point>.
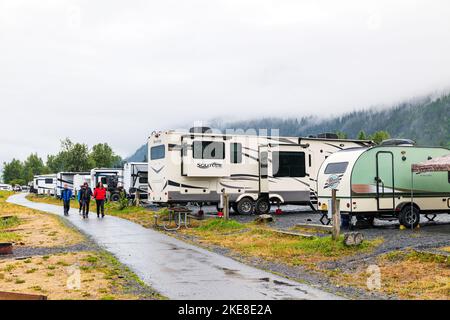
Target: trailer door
<point>264,170</point>
<point>385,180</point>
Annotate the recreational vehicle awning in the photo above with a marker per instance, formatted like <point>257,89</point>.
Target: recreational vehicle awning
<point>437,164</point>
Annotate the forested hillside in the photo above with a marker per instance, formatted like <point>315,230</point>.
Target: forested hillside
<point>426,120</point>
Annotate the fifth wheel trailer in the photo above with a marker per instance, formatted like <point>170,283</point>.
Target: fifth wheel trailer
<point>255,171</point>
<point>376,182</point>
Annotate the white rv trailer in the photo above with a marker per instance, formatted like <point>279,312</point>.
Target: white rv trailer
<point>135,178</point>
<point>5,187</point>
<point>255,171</point>
<point>112,179</point>
<point>45,184</point>
<point>66,178</point>
<point>79,180</point>
<point>376,183</point>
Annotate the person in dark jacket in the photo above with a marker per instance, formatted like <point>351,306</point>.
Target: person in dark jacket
<point>85,197</point>
<point>66,196</point>
<point>100,198</point>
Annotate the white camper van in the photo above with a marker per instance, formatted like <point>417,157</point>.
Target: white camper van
<point>255,171</point>
<point>377,182</point>
<point>80,179</point>
<point>45,184</point>
<point>112,179</point>
<point>66,178</point>
<point>5,187</point>
<point>135,179</point>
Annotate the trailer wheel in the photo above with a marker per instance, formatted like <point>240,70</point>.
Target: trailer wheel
<point>262,206</point>
<point>245,206</point>
<point>409,216</point>
<point>115,197</point>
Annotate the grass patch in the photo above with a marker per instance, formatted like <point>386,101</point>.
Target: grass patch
<point>259,241</point>
<point>406,274</point>
<point>9,237</point>
<point>9,222</point>
<point>221,225</point>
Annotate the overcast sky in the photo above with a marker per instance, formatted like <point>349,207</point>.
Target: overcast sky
<point>114,71</point>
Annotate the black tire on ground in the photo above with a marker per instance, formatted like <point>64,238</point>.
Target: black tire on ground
<point>115,197</point>
<point>409,216</point>
<point>262,206</point>
<point>245,206</point>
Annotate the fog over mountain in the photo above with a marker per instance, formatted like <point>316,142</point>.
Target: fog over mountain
<point>425,120</point>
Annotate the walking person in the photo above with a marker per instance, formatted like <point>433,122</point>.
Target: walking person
<point>66,196</point>
<point>100,198</point>
<point>85,197</point>
<point>79,200</point>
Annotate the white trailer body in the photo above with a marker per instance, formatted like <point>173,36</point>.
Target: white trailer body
<point>79,180</point>
<point>45,184</point>
<point>135,178</point>
<point>66,178</point>
<point>198,167</point>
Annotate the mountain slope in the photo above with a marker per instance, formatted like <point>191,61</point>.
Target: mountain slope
<point>427,121</point>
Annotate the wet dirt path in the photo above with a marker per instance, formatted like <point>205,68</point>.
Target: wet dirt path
<point>179,270</point>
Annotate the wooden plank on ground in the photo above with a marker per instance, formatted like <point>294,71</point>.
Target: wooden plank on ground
<point>20,296</point>
<point>288,233</point>
<point>315,227</point>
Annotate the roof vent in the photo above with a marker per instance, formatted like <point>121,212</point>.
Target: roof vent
<point>398,142</point>
<point>200,130</point>
<point>328,135</point>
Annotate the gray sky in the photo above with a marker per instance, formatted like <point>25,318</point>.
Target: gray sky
<point>113,71</point>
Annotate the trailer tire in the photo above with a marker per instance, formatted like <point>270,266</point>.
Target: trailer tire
<point>115,197</point>
<point>262,206</point>
<point>245,206</point>
<point>409,216</point>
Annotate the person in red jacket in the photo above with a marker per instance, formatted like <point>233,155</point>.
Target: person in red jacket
<point>100,198</point>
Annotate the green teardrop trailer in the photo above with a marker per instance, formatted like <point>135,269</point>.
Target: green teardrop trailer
<point>376,182</point>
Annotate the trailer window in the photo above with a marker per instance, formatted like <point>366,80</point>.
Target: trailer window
<point>288,164</point>
<point>449,177</point>
<point>209,150</point>
<point>48,181</point>
<point>336,168</point>
<point>158,152</point>
<point>143,179</point>
<point>236,152</point>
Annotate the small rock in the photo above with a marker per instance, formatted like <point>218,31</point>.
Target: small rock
<point>353,239</point>
<point>264,218</point>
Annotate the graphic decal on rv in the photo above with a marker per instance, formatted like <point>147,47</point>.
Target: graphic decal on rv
<point>209,165</point>
<point>156,170</point>
<point>180,185</point>
<point>329,182</point>
<point>249,156</point>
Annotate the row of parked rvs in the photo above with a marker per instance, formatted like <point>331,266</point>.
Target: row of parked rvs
<point>132,178</point>
<point>258,172</point>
